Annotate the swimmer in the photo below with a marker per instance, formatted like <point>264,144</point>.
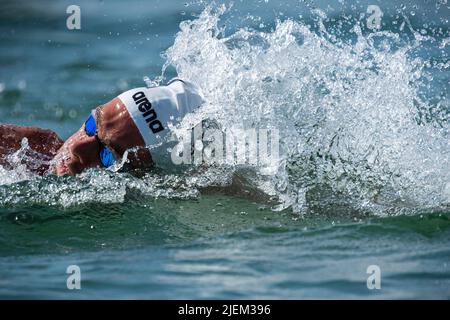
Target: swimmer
<point>132,122</point>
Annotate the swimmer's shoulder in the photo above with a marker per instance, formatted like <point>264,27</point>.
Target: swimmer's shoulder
<point>42,140</point>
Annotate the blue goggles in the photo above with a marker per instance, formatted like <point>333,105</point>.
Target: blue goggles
<point>107,158</point>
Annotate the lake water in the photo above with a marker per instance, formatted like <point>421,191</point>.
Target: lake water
<point>364,172</point>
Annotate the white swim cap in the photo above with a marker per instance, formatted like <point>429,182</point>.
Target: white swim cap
<point>152,109</point>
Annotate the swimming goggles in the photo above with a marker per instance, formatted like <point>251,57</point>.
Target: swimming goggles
<point>107,158</point>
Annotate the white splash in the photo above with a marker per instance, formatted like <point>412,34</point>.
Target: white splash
<point>348,112</point>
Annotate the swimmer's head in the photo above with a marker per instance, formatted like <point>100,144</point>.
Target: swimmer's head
<point>115,130</point>
<point>133,121</point>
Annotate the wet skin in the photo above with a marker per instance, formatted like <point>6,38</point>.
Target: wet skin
<point>45,144</point>
<point>115,128</point>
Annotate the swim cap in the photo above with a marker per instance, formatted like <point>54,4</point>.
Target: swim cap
<point>152,109</point>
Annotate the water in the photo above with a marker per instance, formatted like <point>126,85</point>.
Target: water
<point>364,126</point>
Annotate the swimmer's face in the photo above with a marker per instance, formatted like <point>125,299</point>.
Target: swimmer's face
<point>116,130</point>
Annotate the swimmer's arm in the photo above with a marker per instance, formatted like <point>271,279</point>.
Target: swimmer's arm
<point>43,141</point>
